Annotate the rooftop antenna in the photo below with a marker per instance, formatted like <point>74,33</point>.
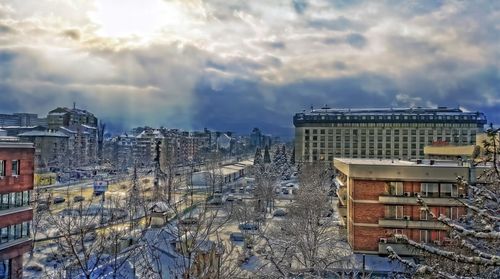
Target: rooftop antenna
<point>74,105</point>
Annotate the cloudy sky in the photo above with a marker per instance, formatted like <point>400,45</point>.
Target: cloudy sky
<point>235,65</point>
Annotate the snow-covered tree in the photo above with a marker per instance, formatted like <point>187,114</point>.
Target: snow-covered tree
<point>306,244</point>
<point>473,249</point>
<point>257,160</point>
<point>267,156</point>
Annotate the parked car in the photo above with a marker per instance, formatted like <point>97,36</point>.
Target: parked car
<point>248,227</point>
<point>189,220</point>
<point>78,199</point>
<point>285,191</point>
<point>230,198</point>
<point>279,213</point>
<point>237,236</point>
<point>42,207</point>
<point>59,200</point>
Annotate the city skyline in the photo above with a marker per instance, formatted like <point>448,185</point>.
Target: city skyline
<point>196,64</point>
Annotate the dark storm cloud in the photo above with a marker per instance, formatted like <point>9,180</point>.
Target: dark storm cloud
<point>300,6</point>
<point>234,66</point>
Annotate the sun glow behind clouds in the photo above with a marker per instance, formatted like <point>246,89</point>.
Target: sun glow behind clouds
<point>135,18</point>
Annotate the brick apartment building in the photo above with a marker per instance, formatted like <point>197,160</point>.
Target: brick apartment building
<point>377,199</point>
<point>16,182</point>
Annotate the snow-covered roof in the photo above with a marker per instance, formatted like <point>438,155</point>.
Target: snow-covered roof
<point>42,134</point>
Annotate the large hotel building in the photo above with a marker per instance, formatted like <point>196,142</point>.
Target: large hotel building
<point>16,183</point>
<point>378,200</point>
<point>325,134</point>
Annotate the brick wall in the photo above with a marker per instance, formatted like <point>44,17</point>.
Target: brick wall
<point>25,180</point>
<point>16,218</point>
<point>368,213</point>
<point>367,238</point>
<point>368,189</point>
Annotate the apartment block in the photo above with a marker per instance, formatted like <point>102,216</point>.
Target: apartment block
<point>378,199</point>
<point>324,134</point>
<point>16,183</point>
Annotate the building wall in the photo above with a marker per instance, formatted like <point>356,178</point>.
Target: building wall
<point>365,211</point>
<point>24,181</point>
<point>407,141</point>
<point>19,213</point>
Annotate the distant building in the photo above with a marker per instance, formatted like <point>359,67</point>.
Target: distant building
<point>324,134</point>
<point>258,139</point>
<point>16,182</point>
<point>377,199</point>
<point>51,148</point>
<point>81,128</point>
<point>67,117</point>
<point>22,120</point>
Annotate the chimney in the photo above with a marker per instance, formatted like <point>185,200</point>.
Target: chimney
<point>431,162</point>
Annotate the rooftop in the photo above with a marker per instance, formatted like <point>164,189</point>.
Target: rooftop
<point>42,134</point>
<point>396,162</point>
<point>389,115</point>
<point>13,142</point>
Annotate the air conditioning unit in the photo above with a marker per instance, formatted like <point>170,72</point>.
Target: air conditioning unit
<point>406,218</point>
<point>463,196</point>
<point>437,242</point>
<point>415,194</point>
<point>383,240</point>
<point>407,194</point>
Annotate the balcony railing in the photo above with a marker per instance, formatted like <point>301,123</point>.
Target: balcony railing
<point>412,200</point>
<point>12,243</point>
<point>411,224</point>
<point>401,249</point>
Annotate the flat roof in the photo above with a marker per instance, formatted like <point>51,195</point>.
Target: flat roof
<point>402,170</point>
<point>13,142</point>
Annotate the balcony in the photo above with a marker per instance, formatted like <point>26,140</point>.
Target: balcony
<point>412,200</point>
<point>401,249</point>
<point>410,224</point>
<point>13,243</point>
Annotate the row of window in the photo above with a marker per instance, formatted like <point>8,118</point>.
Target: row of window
<point>435,190</point>
<point>12,200</point>
<point>389,132</point>
<point>425,236</point>
<point>387,139</point>
<point>15,167</point>
<point>397,212</point>
<point>14,232</point>
<point>394,117</point>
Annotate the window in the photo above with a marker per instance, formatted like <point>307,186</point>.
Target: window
<point>424,214</point>
<point>395,188</point>
<point>449,190</point>
<point>15,167</point>
<point>429,189</point>
<point>2,168</point>
<point>394,212</point>
<point>424,236</point>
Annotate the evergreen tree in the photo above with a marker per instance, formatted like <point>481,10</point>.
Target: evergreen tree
<point>257,160</point>
<point>267,157</point>
<point>283,151</point>
<point>276,154</point>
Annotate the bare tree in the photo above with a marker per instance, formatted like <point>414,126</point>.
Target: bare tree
<point>213,171</point>
<point>306,243</point>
